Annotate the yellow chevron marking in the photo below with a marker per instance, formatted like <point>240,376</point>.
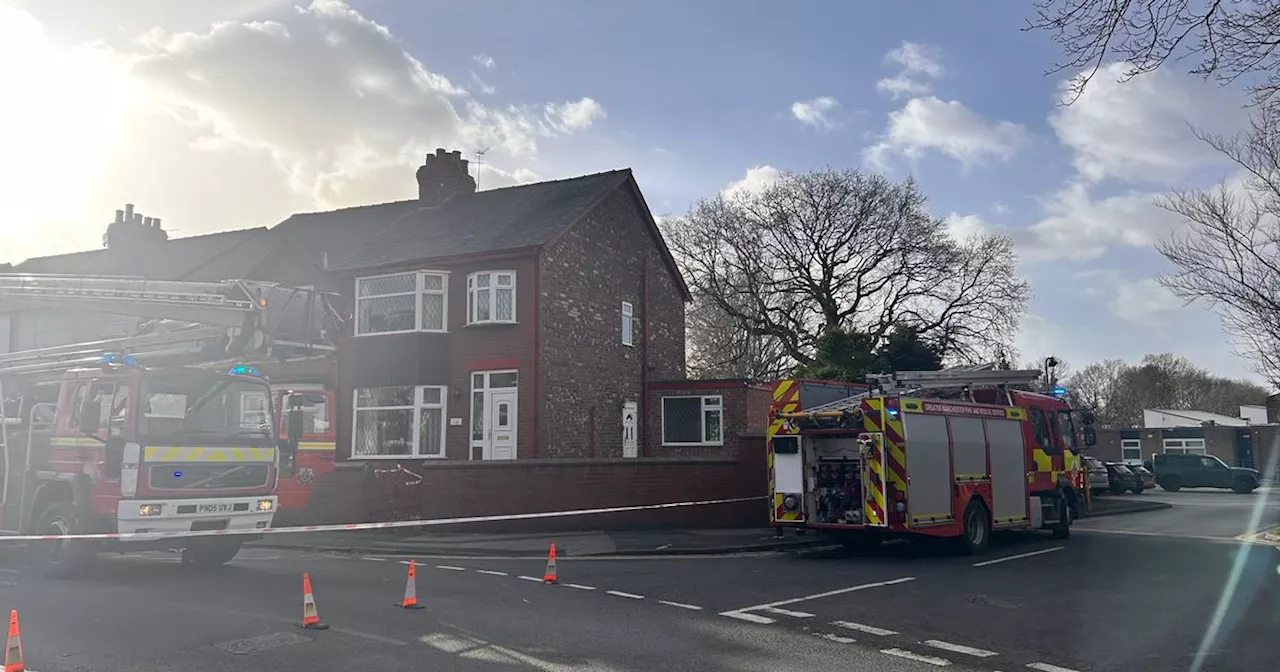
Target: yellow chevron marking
<point>783,388</point>
<point>219,454</point>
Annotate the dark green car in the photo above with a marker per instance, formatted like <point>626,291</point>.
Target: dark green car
<point>1174,472</point>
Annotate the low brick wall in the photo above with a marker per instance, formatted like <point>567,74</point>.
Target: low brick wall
<point>375,491</point>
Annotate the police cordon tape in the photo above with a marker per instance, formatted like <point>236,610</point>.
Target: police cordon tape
<point>343,527</point>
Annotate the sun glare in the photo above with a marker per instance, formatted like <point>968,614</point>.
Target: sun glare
<point>60,126</point>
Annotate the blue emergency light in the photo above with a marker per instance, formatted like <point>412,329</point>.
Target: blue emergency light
<point>243,370</point>
<point>117,358</point>
<point>1059,392</point>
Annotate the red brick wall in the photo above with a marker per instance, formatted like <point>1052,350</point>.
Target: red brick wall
<point>587,372</point>
<point>458,489</point>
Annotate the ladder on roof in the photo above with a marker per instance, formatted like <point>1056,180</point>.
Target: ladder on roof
<point>908,383</point>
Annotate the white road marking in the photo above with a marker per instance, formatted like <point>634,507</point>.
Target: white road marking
<point>370,558</point>
<point>491,572</point>
<point>664,547</point>
<point>744,616</point>
<point>579,586</point>
<point>787,612</point>
<point>959,648</point>
<point>530,578</point>
<point>6,570</point>
<point>1018,556</point>
<point>619,593</point>
<point>870,630</point>
<point>835,638</point>
<point>1046,667</point>
<point>827,594</point>
<point>920,658</point>
<point>681,605</point>
<point>451,568</point>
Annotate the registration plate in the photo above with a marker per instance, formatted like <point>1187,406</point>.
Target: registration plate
<point>221,507</point>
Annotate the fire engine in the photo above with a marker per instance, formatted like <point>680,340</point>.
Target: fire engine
<point>957,454</point>
<point>170,429</point>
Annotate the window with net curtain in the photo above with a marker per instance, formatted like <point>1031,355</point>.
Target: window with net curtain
<point>399,422</point>
<point>404,302</point>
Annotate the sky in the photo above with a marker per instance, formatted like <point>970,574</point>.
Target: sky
<point>231,115</point>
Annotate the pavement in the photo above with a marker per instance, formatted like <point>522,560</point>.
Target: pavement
<point>598,543</point>
<point>1132,593</point>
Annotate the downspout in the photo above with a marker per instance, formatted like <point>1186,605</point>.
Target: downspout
<point>642,426</point>
<point>537,354</point>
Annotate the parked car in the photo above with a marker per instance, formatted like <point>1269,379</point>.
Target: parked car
<point>1098,480</point>
<point>1174,471</point>
<point>1148,478</point>
<point>1122,479</point>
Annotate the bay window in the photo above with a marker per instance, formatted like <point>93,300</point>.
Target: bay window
<point>405,302</point>
<point>403,421</point>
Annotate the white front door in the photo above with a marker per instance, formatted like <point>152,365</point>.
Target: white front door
<point>501,443</point>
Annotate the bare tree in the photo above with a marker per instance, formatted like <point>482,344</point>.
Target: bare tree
<point>1118,393</point>
<point>1094,387</point>
<point>1230,256</point>
<point>1226,40</point>
<point>720,348</point>
<point>839,249</point>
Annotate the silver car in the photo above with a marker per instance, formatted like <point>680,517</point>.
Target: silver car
<point>1098,479</point>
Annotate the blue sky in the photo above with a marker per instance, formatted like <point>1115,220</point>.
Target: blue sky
<point>321,105</point>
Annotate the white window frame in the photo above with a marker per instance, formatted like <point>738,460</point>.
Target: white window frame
<point>628,324</point>
<point>1184,446</point>
<point>419,404</point>
<point>1130,444</point>
<point>418,293</point>
<point>717,404</point>
<point>473,304</point>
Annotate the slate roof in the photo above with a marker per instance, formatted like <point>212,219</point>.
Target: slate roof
<point>212,257</point>
<point>509,218</point>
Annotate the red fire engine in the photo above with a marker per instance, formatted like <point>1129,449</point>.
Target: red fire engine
<point>957,453</point>
<point>171,429</point>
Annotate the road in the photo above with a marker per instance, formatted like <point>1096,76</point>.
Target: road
<point>1105,599</point>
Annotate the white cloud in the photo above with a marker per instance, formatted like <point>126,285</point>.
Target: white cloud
<point>480,85</point>
<point>961,227</point>
<point>320,107</point>
<point>918,63</point>
<point>1000,208</point>
<point>1140,130</point>
<point>947,127</point>
<point>486,61</point>
<point>1078,227</point>
<point>813,112</point>
<point>1146,303</point>
<point>756,180</point>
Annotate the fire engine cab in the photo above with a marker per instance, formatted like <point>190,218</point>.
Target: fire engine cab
<point>173,429</point>
<point>957,453</point>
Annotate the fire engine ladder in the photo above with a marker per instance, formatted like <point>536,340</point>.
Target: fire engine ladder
<point>908,383</point>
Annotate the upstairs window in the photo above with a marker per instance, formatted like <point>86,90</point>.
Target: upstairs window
<point>628,324</point>
<point>406,302</point>
<point>491,297</point>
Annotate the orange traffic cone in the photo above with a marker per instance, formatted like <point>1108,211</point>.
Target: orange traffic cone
<point>411,590</point>
<point>310,615</point>
<point>13,647</point>
<point>549,576</point>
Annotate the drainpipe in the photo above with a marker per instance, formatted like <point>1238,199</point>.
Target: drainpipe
<point>642,434</point>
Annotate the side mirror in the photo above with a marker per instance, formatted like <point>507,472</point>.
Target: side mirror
<point>1090,436</point>
<point>297,424</point>
<point>90,417</point>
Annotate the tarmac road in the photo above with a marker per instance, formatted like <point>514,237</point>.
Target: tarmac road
<point>1102,600</point>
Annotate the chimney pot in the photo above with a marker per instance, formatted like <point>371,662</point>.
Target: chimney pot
<point>442,176</point>
<point>128,212</point>
<point>119,216</point>
<point>146,221</point>
<point>155,221</point>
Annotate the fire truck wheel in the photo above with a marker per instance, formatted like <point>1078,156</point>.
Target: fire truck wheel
<point>59,559</point>
<point>977,528</point>
<point>1062,529</point>
<point>210,552</point>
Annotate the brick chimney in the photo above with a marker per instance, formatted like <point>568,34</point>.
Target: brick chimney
<point>442,176</point>
<point>132,231</point>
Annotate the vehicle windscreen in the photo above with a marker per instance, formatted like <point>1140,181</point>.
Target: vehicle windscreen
<point>1121,469</point>
<point>204,405</point>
